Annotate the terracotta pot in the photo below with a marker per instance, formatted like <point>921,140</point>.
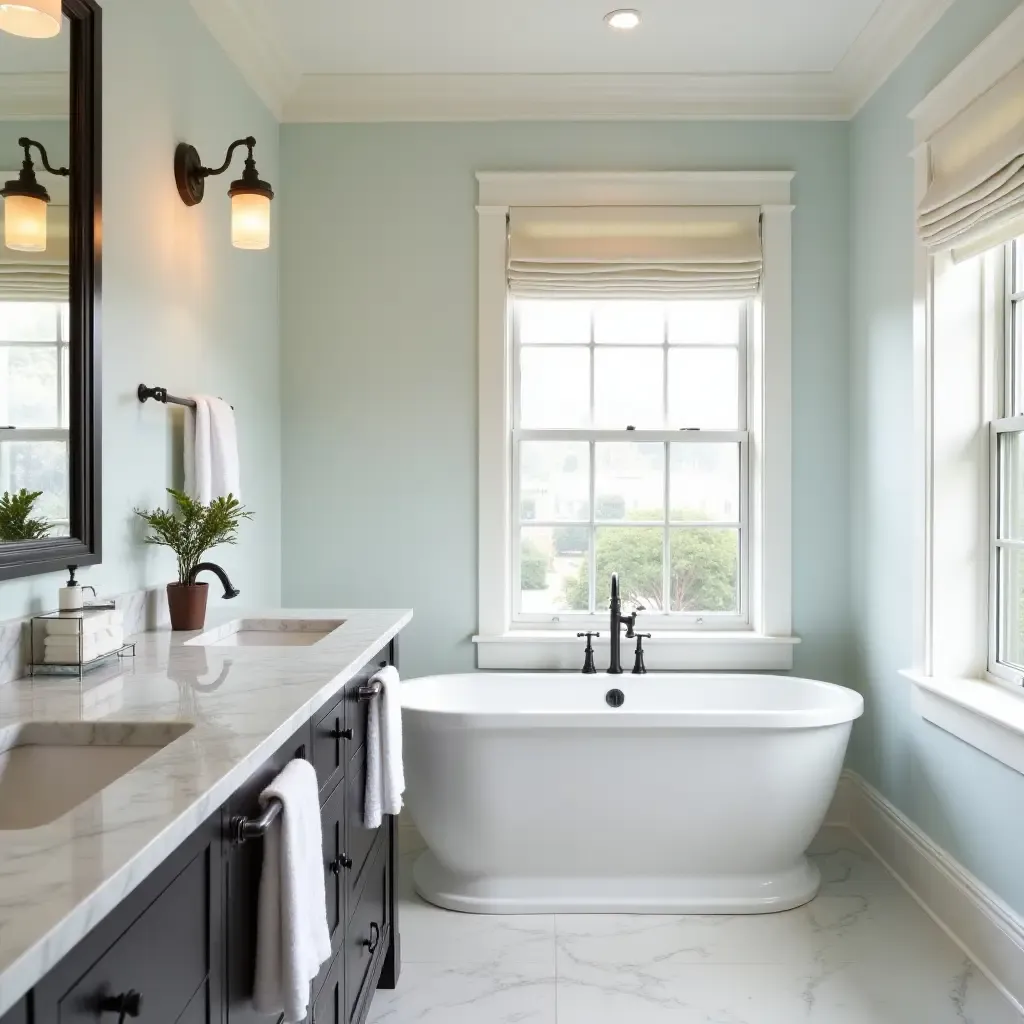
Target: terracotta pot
<point>187,605</point>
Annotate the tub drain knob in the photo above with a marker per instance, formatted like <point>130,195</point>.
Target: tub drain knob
<point>615,698</point>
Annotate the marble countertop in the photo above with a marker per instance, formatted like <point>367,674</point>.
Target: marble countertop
<point>57,881</point>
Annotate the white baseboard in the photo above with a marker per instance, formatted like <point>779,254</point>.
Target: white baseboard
<point>973,916</point>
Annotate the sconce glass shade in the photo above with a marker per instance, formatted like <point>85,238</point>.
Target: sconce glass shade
<point>25,223</point>
<point>250,220</point>
<point>33,19</point>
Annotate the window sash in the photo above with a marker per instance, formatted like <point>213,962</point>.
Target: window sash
<point>1011,366</point>
<point>667,619</point>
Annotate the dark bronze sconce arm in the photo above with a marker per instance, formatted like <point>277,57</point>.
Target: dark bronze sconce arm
<point>190,174</point>
<point>26,183</point>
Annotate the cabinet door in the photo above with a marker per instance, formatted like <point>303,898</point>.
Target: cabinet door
<point>359,839</point>
<point>329,1006</point>
<point>367,937</point>
<point>337,867</point>
<point>161,948</point>
<point>332,745</point>
<point>243,864</point>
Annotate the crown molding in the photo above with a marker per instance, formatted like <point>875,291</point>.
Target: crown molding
<point>252,48</point>
<point>36,96</point>
<point>504,97</point>
<point>893,31</point>
<point>991,60</point>
<point>889,37</point>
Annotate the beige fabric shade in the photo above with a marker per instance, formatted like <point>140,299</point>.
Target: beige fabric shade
<point>975,199</point>
<point>634,252</point>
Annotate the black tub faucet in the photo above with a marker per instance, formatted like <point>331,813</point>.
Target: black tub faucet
<point>229,590</point>
<point>617,621</point>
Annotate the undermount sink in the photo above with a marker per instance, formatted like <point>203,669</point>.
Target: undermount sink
<point>49,768</point>
<point>267,633</point>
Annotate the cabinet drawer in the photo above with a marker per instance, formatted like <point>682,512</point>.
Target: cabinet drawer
<point>367,934</point>
<point>162,957</point>
<point>332,745</point>
<point>329,1005</point>
<point>359,840</point>
<point>337,867</point>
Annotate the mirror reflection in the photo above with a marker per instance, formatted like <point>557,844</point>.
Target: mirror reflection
<point>34,273</point>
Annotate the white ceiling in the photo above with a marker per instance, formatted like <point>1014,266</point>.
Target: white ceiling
<point>562,36</point>
<point>31,56</point>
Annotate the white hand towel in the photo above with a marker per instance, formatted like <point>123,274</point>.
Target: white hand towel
<point>292,939</point>
<point>73,623</point>
<point>66,650</point>
<point>211,450</point>
<point>385,773</point>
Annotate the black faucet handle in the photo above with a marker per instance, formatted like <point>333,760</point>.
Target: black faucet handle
<point>639,668</point>
<point>589,668</point>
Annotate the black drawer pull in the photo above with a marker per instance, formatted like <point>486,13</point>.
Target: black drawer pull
<point>127,1004</point>
<point>372,942</point>
<point>344,861</point>
<point>340,734</point>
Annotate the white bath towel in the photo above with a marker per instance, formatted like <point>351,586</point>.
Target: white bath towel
<point>66,650</point>
<point>385,773</point>
<point>292,939</point>
<point>211,450</point>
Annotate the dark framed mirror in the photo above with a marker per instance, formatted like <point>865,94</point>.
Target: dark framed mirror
<point>50,402</point>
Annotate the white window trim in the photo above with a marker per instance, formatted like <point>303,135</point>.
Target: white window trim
<point>956,390</point>
<point>769,643</point>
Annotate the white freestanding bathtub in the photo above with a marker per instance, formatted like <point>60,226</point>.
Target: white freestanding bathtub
<point>699,794</point>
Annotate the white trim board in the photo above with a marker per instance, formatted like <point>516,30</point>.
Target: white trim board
<point>892,32</point>
<point>989,931</point>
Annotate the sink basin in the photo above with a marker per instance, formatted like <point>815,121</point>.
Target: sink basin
<point>49,768</point>
<point>267,633</point>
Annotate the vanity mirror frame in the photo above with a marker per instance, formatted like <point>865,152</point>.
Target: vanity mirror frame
<point>85,481</point>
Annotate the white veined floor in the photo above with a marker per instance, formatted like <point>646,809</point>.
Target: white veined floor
<point>862,952</point>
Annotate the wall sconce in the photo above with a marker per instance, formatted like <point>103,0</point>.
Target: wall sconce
<point>34,19</point>
<point>250,196</point>
<point>25,202</point>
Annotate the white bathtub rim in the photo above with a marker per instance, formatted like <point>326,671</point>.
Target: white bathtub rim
<point>686,895</point>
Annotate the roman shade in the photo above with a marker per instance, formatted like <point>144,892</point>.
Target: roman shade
<point>975,198</point>
<point>634,252</point>
<point>42,276</point>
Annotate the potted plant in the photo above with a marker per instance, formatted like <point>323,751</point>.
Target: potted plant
<point>16,522</point>
<point>190,529</point>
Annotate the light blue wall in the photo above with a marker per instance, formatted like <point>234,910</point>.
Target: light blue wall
<point>181,307</point>
<point>969,804</point>
<point>379,369</point>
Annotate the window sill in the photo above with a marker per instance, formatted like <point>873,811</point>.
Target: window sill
<point>986,715</point>
<point>551,650</point>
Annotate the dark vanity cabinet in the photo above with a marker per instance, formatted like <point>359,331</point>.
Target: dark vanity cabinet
<point>182,946</point>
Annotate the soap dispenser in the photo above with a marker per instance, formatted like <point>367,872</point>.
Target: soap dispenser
<point>70,597</point>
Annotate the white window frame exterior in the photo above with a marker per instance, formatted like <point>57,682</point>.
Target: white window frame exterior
<point>763,640</point>
<point>959,344</point>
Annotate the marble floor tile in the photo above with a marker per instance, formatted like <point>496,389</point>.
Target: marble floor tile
<point>468,994</point>
<point>842,925</point>
<point>953,993</point>
<point>842,859</point>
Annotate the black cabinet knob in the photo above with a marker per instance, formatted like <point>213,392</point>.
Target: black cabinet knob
<point>372,942</point>
<point>126,1004</point>
<point>344,861</point>
<point>341,734</point>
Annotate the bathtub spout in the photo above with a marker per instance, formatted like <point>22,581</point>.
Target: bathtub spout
<point>617,621</point>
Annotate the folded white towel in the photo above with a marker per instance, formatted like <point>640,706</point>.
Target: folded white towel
<point>66,650</point>
<point>385,774</point>
<point>72,623</point>
<point>211,450</point>
<point>292,939</point>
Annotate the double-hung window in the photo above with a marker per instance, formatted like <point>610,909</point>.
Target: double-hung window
<point>634,416</point>
<point>1006,650</point>
<point>34,406</point>
<point>630,455</point>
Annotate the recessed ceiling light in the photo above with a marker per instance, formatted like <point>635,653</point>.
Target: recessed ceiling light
<point>623,19</point>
